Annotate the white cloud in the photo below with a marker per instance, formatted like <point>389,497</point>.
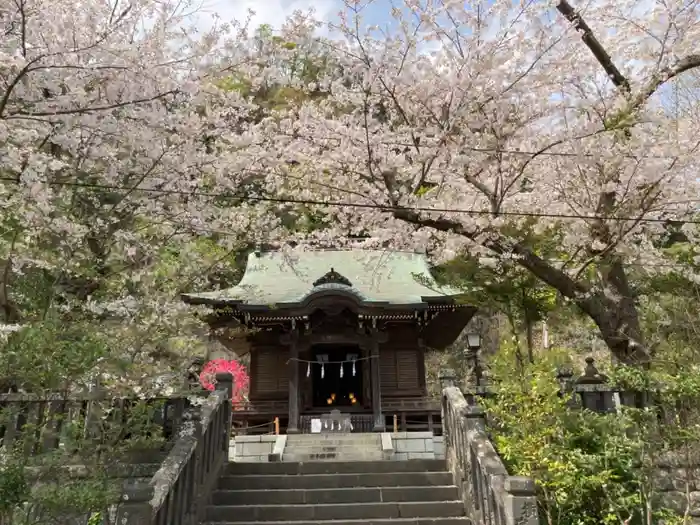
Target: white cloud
<point>272,12</point>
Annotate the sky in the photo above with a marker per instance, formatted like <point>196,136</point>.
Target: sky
<point>274,12</point>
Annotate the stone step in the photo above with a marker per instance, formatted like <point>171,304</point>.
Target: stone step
<point>337,467</point>
<point>337,450</point>
<point>288,481</point>
<point>334,443</point>
<point>372,446</point>
<point>330,450</point>
<point>323,446</point>
<point>343,449</point>
<point>352,511</point>
<point>335,436</point>
<point>395,521</point>
<point>332,456</point>
<point>335,495</point>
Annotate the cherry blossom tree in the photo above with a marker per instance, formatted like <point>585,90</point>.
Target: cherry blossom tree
<point>105,109</point>
<point>137,151</point>
<point>462,121</point>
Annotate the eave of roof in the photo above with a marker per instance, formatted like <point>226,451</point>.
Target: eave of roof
<point>373,279</point>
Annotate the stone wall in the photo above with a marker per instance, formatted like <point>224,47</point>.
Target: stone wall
<point>679,484</point>
<point>417,445</point>
<point>247,449</point>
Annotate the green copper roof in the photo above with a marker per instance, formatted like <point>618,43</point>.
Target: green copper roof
<point>376,278</point>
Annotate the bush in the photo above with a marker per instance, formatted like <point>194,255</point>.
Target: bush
<point>590,468</point>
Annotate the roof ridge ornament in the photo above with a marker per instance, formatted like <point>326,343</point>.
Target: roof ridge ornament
<point>333,277</point>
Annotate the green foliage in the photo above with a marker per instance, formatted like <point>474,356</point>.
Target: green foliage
<point>96,519</point>
<point>14,486</point>
<point>51,355</point>
<point>589,468</point>
<point>39,488</point>
<point>60,500</point>
<point>234,83</point>
<point>503,286</point>
<point>673,385</point>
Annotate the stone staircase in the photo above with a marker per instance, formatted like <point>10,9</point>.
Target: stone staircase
<point>333,447</point>
<point>411,492</point>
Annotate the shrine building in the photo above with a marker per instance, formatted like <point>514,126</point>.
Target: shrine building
<point>338,329</point>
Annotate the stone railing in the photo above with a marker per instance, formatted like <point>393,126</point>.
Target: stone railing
<point>179,492</point>
<point>591,390</point>
<point>490,495</point>
<point>39,424</point>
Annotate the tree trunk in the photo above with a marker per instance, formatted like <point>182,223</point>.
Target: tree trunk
<point>611,304</point>
<point>519,361</point>
<point>528,321</point>
<point>530,343</point>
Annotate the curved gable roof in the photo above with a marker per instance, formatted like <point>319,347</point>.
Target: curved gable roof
<point>376,278</point>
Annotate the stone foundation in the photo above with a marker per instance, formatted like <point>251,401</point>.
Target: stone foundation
<point>404,445</point>
<point>247,449</point>
<point>417,445</point>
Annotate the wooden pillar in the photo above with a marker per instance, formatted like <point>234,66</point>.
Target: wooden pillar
<point>293,424</point>
<point>376,388</point>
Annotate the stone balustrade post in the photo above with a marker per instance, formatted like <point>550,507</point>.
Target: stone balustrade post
<point>135,506</point>
<point>520,501</point>
<point>224,381</point>
<point>447,377</point>
<point>476,418</point>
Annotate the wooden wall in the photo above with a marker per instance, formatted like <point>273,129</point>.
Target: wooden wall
<point>269,373</point>
<point>401,372</point>
<point>401,369</point>
<point>402,364</point>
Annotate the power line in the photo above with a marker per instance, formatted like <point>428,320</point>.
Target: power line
<point>200,229</point>
<point>280,200</point>
<point>343,204</point>
<point>541,153</point>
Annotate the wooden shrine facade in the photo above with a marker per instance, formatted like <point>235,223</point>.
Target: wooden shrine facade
<point>341,340</point>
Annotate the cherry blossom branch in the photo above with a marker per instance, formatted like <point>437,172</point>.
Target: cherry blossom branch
<point>23,27</point>
<point>618,79</point>
<point>525,257</point>
<point>594,45</point>
<point>685,64</point>
<point>616,280</point>
<point>94,109</point>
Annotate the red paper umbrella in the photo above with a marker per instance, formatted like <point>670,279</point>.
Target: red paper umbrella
<point>207,377</point>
